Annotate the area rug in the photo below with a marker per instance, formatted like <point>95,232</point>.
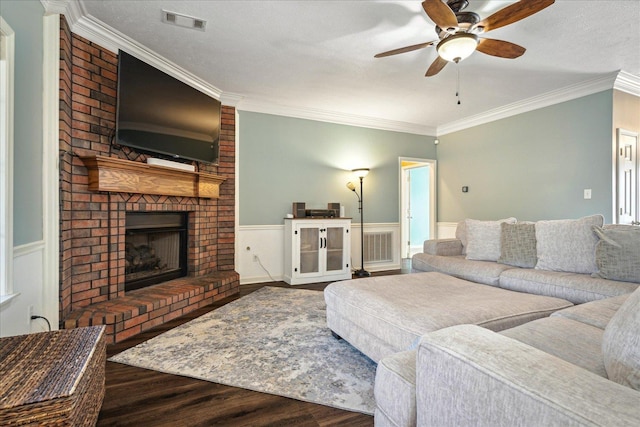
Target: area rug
<point>274,340</point>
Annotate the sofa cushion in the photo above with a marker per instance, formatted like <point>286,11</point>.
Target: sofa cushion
<point>483,239</point>
<point>444,247</point>
<point>621,344</point>
<point>398,309</point>
<point>395,390</point>
<point>575,342</point>
<point>618,253</point>
<point>567,245</point>
<point>595,313</point>
<point>484,272</point>
<point>518,244</point>
<point>577,288</point>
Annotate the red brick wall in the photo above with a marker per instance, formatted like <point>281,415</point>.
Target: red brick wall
<point>91,223</point>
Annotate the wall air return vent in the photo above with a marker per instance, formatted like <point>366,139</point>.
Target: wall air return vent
<point>185,21</point>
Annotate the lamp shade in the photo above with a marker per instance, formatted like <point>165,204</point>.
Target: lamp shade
<point>457,47</point>
<point>360,173</point>
<point>351,186</point>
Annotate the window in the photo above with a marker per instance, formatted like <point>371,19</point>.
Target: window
<point>7,43</point>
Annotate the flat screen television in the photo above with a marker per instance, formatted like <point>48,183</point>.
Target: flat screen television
<point>157,113</point>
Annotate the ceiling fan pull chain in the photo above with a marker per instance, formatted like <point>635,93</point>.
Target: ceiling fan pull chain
<point>458,82</point>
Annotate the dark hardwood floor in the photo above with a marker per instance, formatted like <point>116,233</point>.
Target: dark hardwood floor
<point>140,397</point>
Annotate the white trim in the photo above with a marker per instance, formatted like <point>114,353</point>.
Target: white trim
<point>433,199</point>
<point>393,227</point>
<point>28,248</point>
<point>446,230</point>
<point>6,158</point>
<point>568,93</point>
<point>93,29</point>
<point>87,26</point>
<point>627,82</point>
<point>50,168</point>
<point>334,117</point>
<point>4,299</point>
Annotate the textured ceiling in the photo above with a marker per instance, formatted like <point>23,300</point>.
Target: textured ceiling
<point>318,55</point>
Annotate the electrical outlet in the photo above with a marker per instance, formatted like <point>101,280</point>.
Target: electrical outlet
<point>30,313</point>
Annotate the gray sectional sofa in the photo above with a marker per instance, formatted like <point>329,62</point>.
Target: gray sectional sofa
<point>555,258</point>
<point>577,364</point>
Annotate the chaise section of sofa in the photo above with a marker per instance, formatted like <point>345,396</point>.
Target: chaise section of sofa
<point>578,367</point>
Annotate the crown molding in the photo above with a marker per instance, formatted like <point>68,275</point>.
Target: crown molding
<point>109,38</point>
<point>568,93</point>
<point>333,117</point>
<point>231,99</point>
<point>627,82</point>
<point>98,32</point>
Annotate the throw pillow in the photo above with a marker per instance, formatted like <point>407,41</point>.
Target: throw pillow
<point>483,239</point>
<point>567,244</point>
<point>618,253</point>
<point>518,244</point>
<point>621,344</point>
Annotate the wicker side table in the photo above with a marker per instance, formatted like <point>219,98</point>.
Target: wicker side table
<point>52,378</point>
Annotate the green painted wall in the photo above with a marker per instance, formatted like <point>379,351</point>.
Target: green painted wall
<point>532,166</point>
<point>284,160</point>
<point>25,18</point>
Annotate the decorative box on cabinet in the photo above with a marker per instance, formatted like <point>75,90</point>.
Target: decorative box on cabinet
<point>317,250</point>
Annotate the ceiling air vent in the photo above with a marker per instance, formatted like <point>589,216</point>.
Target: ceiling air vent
<point>185,21</point>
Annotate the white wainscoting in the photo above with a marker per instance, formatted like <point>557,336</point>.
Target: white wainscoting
<point>393,228</point>
<point>28,285</point>
<point>267,243</point>
<point>446,230</point>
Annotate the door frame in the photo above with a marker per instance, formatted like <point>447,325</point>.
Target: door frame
<point>635,184</point>
<point>420,162</point>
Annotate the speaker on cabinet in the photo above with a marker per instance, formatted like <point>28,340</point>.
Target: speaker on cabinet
<point>299,210</point>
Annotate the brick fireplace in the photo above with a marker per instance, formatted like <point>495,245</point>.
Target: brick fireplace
<point>93,223</point>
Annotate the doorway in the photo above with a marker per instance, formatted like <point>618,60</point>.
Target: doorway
<point>417,205</point>
<point>628,178</point>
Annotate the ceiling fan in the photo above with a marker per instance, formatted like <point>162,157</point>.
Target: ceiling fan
<point>458,31</point>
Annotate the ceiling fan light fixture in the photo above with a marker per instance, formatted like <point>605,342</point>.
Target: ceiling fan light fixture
<point>457,47</point>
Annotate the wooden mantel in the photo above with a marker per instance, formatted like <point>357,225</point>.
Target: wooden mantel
<point>124,176</point>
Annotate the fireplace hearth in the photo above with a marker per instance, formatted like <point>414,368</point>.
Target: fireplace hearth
<point>155,248</point>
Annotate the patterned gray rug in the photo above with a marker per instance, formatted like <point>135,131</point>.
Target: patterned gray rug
<point>275,341</point>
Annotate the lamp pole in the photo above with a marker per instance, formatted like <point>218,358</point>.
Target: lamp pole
<point>361,173</point>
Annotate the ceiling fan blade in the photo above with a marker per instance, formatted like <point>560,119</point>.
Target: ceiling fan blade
<point>440,14</point>
<point>513,13</point>
<point>500,48</point>
<point>404,49</point>
<point>436,67</point>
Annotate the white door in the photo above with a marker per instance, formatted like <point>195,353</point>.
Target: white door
<point>417,204</point>
<point>627,165</point>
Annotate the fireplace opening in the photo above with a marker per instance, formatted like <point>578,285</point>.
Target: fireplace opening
<point>155,248</point>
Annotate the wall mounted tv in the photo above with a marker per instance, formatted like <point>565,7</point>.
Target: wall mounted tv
<point>157,113</point>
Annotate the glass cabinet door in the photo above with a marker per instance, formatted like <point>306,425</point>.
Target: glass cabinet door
<point>309,250</point>
<point>335,248</point>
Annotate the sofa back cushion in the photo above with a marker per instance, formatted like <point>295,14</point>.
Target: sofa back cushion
<point>461,234</point>
<point>621,344</point>
<point>618,253</point>
<point>483,239</point>
<point>567,245</point>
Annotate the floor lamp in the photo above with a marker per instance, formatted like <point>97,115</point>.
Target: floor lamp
<point>360,173</point>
